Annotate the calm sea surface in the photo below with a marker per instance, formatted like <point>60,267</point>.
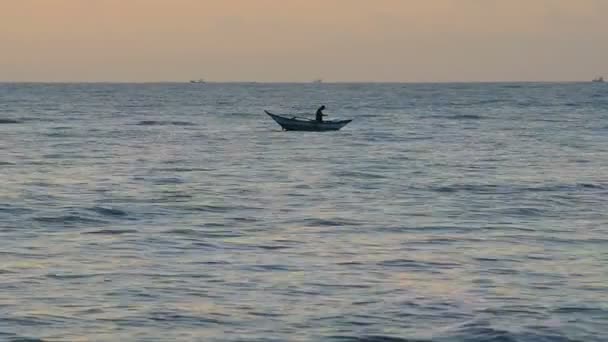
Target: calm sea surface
<point>179,212</point>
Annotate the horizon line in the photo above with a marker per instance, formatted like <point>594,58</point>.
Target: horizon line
<point>283,82</point>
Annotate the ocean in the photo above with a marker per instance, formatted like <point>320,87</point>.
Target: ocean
<point>181,212</point>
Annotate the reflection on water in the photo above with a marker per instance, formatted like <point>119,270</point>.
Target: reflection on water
<point>165,212</point>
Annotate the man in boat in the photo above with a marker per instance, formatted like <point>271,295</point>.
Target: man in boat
<point>320,114</point>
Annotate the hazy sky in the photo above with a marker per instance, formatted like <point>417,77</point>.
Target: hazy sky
<point>301,40</point>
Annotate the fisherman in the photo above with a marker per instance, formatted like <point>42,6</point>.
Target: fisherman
<point>320,114</point>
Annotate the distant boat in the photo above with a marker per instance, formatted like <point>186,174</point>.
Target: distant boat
<point>298,124</point>
<point>317,81</point>
<point>598,80</point>
<point>198,81</point>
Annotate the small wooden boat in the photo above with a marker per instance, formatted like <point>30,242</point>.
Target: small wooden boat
<point>299,124</point>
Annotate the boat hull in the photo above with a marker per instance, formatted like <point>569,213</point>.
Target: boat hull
<point>295,124</point>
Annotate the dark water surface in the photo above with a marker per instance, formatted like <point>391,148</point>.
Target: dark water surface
<point>178,212</point>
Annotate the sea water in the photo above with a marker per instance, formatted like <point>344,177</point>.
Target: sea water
<point>181,212</point>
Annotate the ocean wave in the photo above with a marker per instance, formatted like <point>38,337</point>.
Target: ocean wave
<point>458,117</point>
<point>523,211</point>
<point>272,247</point>
<point>491,334</point>
<point>429,229</point>
<point>11,209</point>
<point>184,169</point>
<point>477,188</point>
<point>193,235</point>
<point>174,318</point>
<point>359,174</point>
<point>74,276</point>
<point>59,135</point>
<point>18,338</point>
<point>111,232</point>
<point>373,338</point>
<point>77,216</point>
<point>10,121</point>
<point>582,309</point>
<point>168,180</point>
<point>217,208</point>
<point>416,264</point>
<point>164,123</point>
<point>70,219</point>
<point>315,222</point>
<point>516,188</point>
<point>113,212</point>
<point>183,231</point>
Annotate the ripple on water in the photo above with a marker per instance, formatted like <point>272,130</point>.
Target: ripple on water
<point>272,247</point>
<point>112,232</point>
<point>9,121</point>
<point>111,212</point>
<point>516,188</point>
<point>218,208</point>
<point>164,123</point>
<point>18,338</point>
<point>430,229</point>
<point>168,181</point>
<point>374,338</point>
<point>11,209</point>
<point>69,220</point>
<point>318,222</point>
<point>418,265</point>
<point>523,212</point>
<point>166,218</point>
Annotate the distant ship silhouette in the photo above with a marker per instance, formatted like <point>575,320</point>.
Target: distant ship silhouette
<point>198,81</point>
<point>598,80</point>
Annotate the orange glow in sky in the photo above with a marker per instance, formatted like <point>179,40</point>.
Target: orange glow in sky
<point>301,40</point>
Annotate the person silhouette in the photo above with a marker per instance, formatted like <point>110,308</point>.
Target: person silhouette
<point>319,116</point>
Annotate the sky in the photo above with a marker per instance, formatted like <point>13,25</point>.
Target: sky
<point>303,40</point>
